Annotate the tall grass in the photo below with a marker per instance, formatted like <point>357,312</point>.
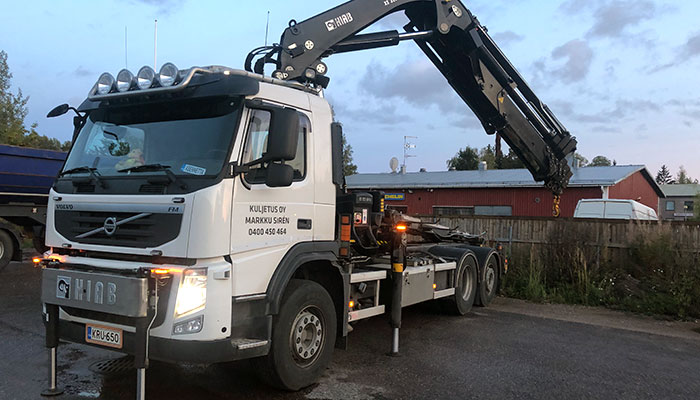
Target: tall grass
<point>657,276</point>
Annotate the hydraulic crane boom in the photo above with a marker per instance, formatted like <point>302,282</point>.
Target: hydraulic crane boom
<point>462,50</point>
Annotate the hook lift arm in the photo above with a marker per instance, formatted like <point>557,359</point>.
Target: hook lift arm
<point>462,50</point>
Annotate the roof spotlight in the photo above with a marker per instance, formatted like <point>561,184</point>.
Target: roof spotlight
<point>146,77</point>
<point>125,80</point>
<point>168,75</point>
<point>105,84</point>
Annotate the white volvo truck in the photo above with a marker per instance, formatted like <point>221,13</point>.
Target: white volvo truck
<point>202,216</point>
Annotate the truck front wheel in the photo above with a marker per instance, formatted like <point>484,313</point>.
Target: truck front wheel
<point>6,249</point>
<point>303,338</point>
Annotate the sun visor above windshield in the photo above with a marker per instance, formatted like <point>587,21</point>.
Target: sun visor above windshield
<point>199,84</point>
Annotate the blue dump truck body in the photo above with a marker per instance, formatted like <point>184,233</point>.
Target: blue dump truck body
<point>26,176</point>
<point>26,171</point>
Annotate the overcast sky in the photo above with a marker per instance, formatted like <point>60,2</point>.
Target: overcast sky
<point>622,75</point>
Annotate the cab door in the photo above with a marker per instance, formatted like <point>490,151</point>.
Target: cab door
<point>268,221</point>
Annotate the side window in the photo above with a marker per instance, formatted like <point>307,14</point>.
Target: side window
<point>256,146</point>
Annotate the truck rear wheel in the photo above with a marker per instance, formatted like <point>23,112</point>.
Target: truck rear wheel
<point>303,338</point>
<point>465,290</point>
<point>488,287</point>
<point>6,249</point>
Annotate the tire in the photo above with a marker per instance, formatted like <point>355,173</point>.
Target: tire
<point>39,242</point>
<point>488,287</point>
<point>7,249</point>
<point>465,290</point>
<point>303,338</point>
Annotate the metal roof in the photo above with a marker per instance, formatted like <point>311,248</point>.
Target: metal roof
<point>681,190</point>
<point>583,177</point>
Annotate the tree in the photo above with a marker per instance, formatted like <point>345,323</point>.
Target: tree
<point>682,178</point>
<point>348,167</point>
<point>663,177</point>
<point>600,161</point>
<point>466,159</point>
<point>582,161</point>
<point>510,161</point>
<point>488,155</point>
<point>13,111</point>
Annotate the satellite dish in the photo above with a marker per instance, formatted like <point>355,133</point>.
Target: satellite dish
<point>394,165</point>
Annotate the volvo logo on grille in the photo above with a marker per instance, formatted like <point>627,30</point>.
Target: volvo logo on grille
<point>110,226</point>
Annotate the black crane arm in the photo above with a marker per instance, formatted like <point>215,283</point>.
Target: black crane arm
<point>462,50</point>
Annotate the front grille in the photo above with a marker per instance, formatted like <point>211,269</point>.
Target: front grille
<point>84,188</point>
<point>148,230</point>
<point>152,189</point>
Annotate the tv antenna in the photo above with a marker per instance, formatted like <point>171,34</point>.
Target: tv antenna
<point>408,146</point>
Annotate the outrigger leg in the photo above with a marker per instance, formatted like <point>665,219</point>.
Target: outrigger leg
<point>52,345</point>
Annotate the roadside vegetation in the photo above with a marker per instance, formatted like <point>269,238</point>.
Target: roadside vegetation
<point>655,276</point>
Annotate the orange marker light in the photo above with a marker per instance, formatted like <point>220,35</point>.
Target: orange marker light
<point>160,271</point>
<point>36,260</point>
<point>434,286</point>
<point>351,305</point>
<point>401,228</point>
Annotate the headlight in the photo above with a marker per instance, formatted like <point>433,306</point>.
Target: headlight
<point>192,295</point>
<point>146,77</point>
<point>168,75</point>
<point>105,84</point>
<point>125,79</point>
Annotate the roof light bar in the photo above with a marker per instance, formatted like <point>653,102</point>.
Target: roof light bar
<point>105,84</point>
<point>168,75</point>
<point>125,80</point>
<point>146,78</point>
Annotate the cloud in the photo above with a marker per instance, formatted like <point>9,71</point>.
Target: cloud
<point>82,72</point>
<point>613,19</point>
<point>622,111</point>
<point>578,55</point>
<point>382,115</point>
<point>417,82</point>
<point>506,38</point>
<point>164,6</point>
<point>691,48</point>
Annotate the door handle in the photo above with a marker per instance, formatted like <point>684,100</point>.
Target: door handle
<point>304,224</point>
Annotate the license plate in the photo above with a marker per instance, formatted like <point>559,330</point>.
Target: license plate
<point>104,336</point>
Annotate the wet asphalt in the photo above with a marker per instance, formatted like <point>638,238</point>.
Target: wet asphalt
<point>493,353</point>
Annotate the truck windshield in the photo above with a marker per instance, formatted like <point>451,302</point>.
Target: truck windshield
<point>189,139</point>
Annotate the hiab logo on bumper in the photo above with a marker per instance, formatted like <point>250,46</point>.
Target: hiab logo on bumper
<point>337,22</point>
<point>63,287</point>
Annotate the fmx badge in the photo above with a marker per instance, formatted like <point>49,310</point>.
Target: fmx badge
<point>337,22</point>
<point>63,287</point>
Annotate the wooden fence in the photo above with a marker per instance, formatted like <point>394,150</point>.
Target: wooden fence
<point>606,238</point>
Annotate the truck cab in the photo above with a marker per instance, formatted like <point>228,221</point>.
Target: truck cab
<point>172,181</point>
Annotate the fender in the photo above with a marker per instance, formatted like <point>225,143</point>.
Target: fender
<point>298,255</point>
<point>16,239</point>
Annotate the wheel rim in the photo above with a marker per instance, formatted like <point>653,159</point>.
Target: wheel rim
<point>307,336</point>
<point>490,279</point>
<point>467,283</point>
<point>2,249</point>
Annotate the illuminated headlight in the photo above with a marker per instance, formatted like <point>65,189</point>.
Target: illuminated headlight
<point>146,77</point>
<point>125,80</point>
<point>192,295</point>
<point>193,325</point>
<point>168,75</point>
<point>105,84</point>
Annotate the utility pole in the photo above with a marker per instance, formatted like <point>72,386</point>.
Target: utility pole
<point>267,27</point>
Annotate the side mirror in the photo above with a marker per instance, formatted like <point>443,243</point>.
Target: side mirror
<point>284,135</point>
<point>58,111</point>
<point>279,175</point>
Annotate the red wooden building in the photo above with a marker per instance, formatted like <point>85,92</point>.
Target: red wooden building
<point>505,192</point>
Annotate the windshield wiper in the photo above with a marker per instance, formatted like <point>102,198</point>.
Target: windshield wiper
<point>172,178</point>
<point>94,175</point>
